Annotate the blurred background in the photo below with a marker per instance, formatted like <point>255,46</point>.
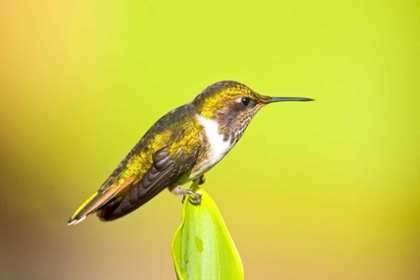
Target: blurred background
<point>321,190</point>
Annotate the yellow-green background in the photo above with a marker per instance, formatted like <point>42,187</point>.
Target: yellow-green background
<point>322,190</point>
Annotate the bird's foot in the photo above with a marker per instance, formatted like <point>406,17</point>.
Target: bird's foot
<point>195,199</point>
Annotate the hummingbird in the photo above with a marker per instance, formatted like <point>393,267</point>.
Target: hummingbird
<point>180,147</point>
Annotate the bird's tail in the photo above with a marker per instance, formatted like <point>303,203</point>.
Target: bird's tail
<point>100,198</point>
<point>91,205</point>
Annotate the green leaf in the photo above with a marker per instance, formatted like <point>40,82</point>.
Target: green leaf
<point>202,247</point>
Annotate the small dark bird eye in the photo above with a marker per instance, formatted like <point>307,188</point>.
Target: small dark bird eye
<point>245,101</point>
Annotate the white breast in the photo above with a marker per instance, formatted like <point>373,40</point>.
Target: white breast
<point>218,147</point>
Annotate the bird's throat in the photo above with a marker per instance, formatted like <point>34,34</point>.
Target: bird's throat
<point>215,145</point>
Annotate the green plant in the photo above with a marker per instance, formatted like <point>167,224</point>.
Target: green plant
<point>202,247</point>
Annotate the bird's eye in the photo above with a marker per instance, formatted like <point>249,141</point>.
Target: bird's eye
<point>245,101</point>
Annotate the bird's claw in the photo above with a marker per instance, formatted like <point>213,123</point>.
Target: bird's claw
<point>195,199</point>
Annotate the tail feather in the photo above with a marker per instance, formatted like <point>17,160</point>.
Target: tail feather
<point>92,204</point>
<point>100,198</point>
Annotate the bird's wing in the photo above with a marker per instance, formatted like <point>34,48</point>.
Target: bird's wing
<point>118,201</point>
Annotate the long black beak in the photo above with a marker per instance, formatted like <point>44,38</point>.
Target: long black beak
<point>281,99</point>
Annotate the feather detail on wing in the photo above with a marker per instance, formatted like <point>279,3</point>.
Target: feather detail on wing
<point>165,170</point>
<point>116,201</point>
